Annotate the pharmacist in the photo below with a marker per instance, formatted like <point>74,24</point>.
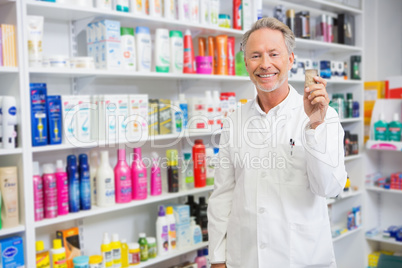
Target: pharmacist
<point>280,156</point>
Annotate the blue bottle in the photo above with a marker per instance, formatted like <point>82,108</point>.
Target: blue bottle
<point>73,184</point>
<point>85,182</point>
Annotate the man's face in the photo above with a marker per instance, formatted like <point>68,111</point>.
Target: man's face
<point>267,59</point>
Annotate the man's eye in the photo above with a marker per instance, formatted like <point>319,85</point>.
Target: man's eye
<point>254,56</point>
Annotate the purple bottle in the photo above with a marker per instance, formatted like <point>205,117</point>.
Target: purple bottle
<point>50,190</point>
<point>122,178</point>
<point>156,179</point>
<point>38,193</point>
<point>139,176</point>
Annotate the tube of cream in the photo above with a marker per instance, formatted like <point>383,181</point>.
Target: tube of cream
<point>9,190</point>
<point>222,57</point>
<point>35,37</point>
<point>211,52</point>
<point>202,42</point>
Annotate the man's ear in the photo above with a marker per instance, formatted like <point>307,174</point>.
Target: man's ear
<point>291,60</point>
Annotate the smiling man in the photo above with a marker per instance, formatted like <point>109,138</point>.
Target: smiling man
<point>276,215</point>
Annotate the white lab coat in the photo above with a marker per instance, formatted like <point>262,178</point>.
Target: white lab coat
<point>268,207</point>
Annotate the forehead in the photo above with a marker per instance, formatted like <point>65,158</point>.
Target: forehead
<point>266,39</point>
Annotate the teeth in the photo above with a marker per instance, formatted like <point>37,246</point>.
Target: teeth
<point>266,76</point>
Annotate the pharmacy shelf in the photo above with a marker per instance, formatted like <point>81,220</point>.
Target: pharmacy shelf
<point>343,196</point>
<point>384,145</point>
<point>107,74</point>
<point>11,231</point>
<point>176,253</point>
<point>382,190</point>
<point>105,144</point>
<point>313,45</point>
<point>10,151</point>
<point>326,5</point>
<point>331,82</point>
<point>348,233</point>
<point>8,70</point>
<point>351,120</point>
<point>73,13</point>
<point>136,203</point>
<point>352,157</point>
<point>381,239</point>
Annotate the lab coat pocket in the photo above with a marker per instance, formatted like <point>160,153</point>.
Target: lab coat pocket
<point>295,163</point>
<point>311,245</point>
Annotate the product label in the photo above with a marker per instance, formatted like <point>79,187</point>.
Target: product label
<point>42,260</point>
<point>59,260</point>
<point>172,235</point>
<point>165,238</point>
<point>50,197</point>
<point>197,236</point>
<point>144,252</point>
<point>109,190</point>
<point>133,258</point>
<point>108,258</point>
<point>38,200</point>
<point>117,255</point>
<point>62,198</point>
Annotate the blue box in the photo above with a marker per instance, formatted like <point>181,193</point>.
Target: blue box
<point>53,106</point>
<point>325,69</point>
<point>38,114</point>
<point>12,252</point>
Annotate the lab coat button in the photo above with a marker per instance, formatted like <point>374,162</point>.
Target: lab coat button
<point>262,246</point>
<point>261,210</point>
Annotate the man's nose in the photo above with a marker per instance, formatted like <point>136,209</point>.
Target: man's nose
<point>265,62</point>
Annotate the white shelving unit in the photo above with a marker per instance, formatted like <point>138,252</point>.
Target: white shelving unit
<point>64,25</point>
<point>383,157</point>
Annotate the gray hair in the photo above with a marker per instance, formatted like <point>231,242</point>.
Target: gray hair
<point>273,24</point>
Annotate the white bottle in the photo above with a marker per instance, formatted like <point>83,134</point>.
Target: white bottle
<point>137,7</point>
<point>169,9</point>
<point>155,8</point>
<point>104,4</point>
<point>93,163</point>
<point>210,109</point>
<point>196,235</point>
<point>183,104</point>
<point>214,12</point>
<point>9,120</point>
<point>144,49</point>
<point>105,182</point>
<point>162,232</point>
<point>183,10</point>
<point>128,48</point>
<point>176,52</point>
<point>84,119</point>
<point>195,11</point>
<point>204,12</point>
<point>177,117</point>
<point>162,50</point>
<point>171,221</point>
<point>218,110</point>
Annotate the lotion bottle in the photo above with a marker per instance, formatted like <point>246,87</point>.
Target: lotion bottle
<point>94,163</point>
<point>105,196</point>
<point>58,255</point>
<point>162,50</point>
<point>188,58</point>
<point>122,177</point>
<point>139,176</point>
<point>144,49</point>
<point>162,232</point>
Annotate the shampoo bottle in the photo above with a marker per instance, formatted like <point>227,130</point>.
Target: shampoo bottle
<point>94,163</point>
<point>162,50</point>
<point>58,255</point>
<point>231,56</point>
<point>171,227</point>
<point>193,206</point>
<point>188,172</point>
<point>156,178</point>
<point>188,58</point>
<point>85,182</point>
<point>139,176</point>
<point>144,49</point>
<point>116,251</point>
<point>73,183</point>
<point>176,52</point>
<point>381,129</point>
<point>199,164</point>
<point>106,251</point>
<point>162,232</point>
<point>128,48</point>
<point>394,129</point>
<point>122,177</point>
<point>50,190</point>
<point>200,259</point>
<point>105,195</point>
<point>62,188</point>
<point>240,66</point>
<point>196,235</point>
<point>42,255</point>
<point>172,171</point>
<point>38,193</point>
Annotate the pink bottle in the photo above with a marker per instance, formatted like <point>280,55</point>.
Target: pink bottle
<point>50,190</point>
<point>122,178</point>
<point>201,261</point>
<point>139,176</point>
<point>38,193</point>
<point>62,188</point>
<point>156,179</point>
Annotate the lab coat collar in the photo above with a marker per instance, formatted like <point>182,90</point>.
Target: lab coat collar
<point>291,101</point>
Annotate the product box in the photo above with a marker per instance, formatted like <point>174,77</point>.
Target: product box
<point>165,117</point>
<point>197,110</point>
<point>12,252</point>
<point>393,87</point>
<point>69,112</point>
<point>110,39</point>
<point>110,115</point>
<point>1,49</point>
<point>8,45</point>
<point>84,119</point>
<point>346,29</point>
<point>54,119</point>
<point>138,115</point>
<point>325,69</point>
<point>91,34</point>
<point>153,117</point>
<point>38,114</point>
<point>183,232</point>
<point>70,239</point>
<point>297,71</point>
<point>122,115</point>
